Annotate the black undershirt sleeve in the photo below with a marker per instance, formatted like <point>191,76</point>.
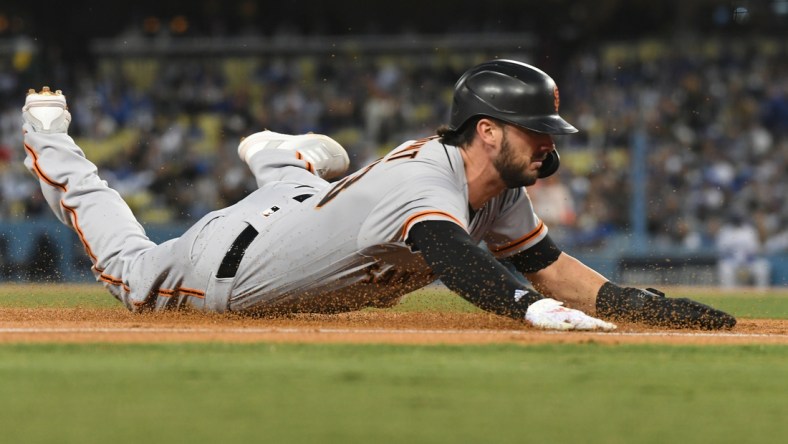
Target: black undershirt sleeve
<point>544,253</point>
<point>470,270</point>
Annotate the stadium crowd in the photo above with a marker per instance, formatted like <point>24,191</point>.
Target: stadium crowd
<point>715,118</point>
<point>164,131</point>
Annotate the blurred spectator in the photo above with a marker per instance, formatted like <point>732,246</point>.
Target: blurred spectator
<point>553,202</point>
<point>741,260</point>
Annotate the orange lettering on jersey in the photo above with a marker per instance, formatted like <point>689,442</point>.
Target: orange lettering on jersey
<point>409,152</point>
<point>410,155</point>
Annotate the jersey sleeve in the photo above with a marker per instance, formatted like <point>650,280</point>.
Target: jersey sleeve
<point>417,198</point>
<point>517,227</point>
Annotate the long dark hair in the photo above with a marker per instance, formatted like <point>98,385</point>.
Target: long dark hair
<point>462,136</point>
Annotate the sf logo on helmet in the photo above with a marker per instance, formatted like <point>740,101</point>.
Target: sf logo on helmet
<point>556,98</point>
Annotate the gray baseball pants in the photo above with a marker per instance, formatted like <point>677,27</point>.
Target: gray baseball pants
<point>181,272</point>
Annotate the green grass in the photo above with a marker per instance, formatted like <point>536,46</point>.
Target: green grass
<point>290,393</point>
<point>362,393</point>
<point>746,303</point>
<point>56,296</point>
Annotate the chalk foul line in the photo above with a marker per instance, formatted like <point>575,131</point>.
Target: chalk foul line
<point>371,331</point>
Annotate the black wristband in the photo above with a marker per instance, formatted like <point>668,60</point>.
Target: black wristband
<point>536,258</point>
<point>617,302</point>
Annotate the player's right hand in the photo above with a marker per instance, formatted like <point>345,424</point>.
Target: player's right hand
<point>552,315</point>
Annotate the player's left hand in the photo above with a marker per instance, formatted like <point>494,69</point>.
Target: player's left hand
<point>681,312</point>
<point>652,307</point>
<point>552,315</point>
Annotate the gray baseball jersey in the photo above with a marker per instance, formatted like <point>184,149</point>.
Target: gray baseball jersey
<point>318,247</point>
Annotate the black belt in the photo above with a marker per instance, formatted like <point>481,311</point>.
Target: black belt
<point>232,259</point>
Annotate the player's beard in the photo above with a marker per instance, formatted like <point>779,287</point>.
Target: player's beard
<point>512,174</point>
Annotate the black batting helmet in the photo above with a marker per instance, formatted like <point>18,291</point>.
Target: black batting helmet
<point>511,91</point>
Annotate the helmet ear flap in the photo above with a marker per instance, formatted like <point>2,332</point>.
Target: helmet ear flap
<point>550,164</point>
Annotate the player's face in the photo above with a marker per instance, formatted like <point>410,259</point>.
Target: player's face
<point>522,153</point>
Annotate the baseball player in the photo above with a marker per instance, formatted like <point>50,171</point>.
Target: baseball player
<point>446,207</point>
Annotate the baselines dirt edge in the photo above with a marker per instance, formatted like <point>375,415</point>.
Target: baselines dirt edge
<point>89,325</point>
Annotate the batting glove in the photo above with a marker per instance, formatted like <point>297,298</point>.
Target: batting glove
<point>552,315</point>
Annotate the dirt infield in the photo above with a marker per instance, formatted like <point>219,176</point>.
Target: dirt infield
<point>80,325</point>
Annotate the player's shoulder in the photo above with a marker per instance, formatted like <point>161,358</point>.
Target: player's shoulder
<point>412,146</point>
<point>424,164</point>
<point>427,152</point>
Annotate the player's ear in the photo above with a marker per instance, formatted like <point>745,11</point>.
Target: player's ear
<point>488,131</point>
